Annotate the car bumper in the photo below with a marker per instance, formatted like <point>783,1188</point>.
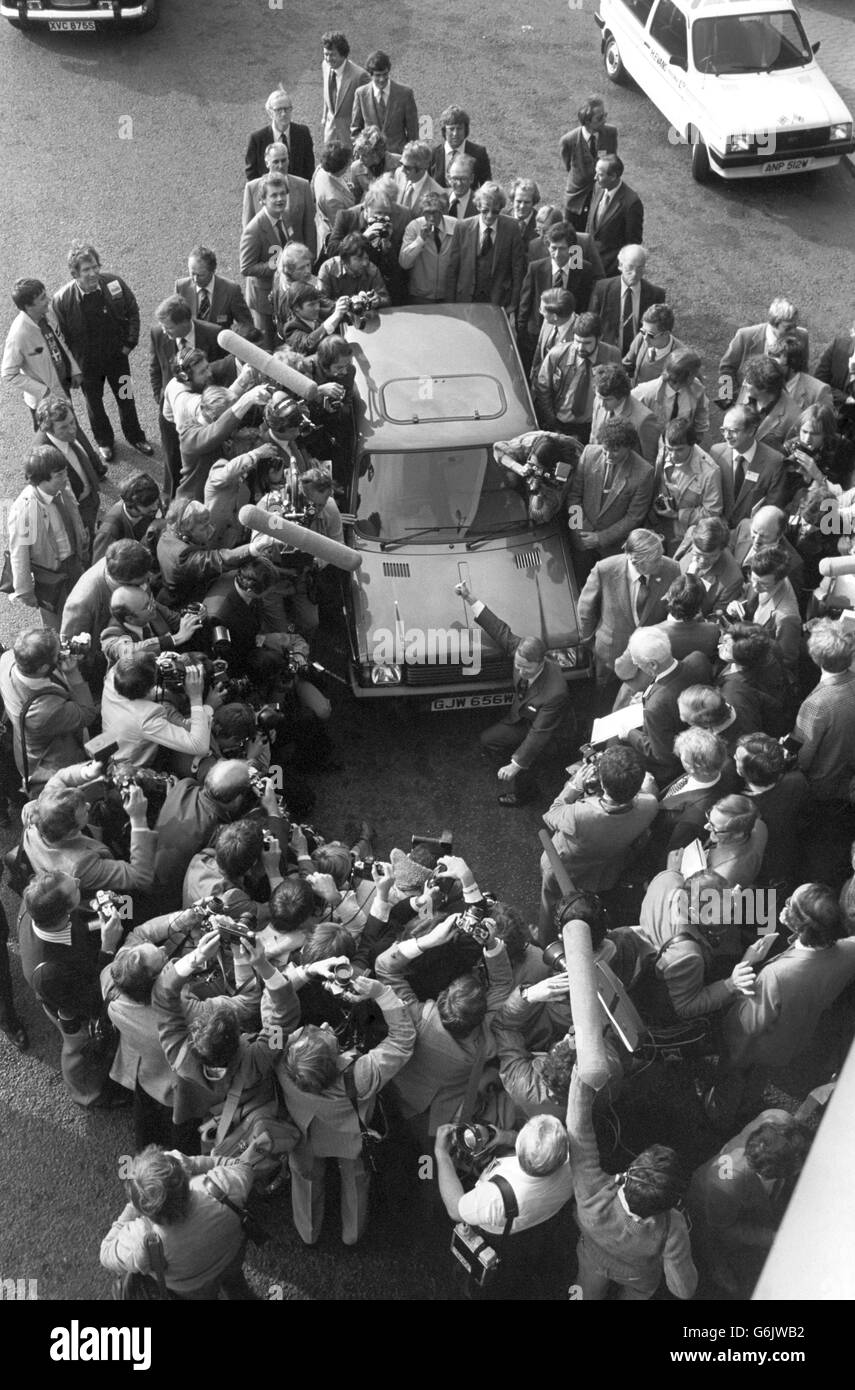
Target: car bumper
<point>753,166</point>
<point>465,694</point>
<point>73,16</point>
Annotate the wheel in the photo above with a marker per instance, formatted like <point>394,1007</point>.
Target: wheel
<point>150,20</point>
<point>613,63</point>
<point>701,171</point>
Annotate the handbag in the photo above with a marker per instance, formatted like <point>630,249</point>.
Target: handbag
<point>477,1253</point>
<point>145,1288</point>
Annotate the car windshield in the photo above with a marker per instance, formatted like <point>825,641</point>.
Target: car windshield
<point>443,494</point>
<point>749,43</point>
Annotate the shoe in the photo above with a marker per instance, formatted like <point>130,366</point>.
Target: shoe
<point>142,446</point>
<point>17,1035</point>
<point>107,453</point>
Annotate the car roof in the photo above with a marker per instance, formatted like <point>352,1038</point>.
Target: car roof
<point>697,9</point>
<point>436,376</point>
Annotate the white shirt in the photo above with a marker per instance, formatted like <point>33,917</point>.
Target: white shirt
<point>409,192</point>
<point>635,292</point>
<point>142,727</point>
<point>746,454</point>
<point>73,460</point>
<point>538,1199</point>
<point>63,540</point>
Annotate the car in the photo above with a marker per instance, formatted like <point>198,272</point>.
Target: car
<point>80,16</point>
<point>436,386</point>
<point>737,79</point>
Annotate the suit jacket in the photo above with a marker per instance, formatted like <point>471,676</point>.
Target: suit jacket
<point>623,223</point>
<point>299,220</point>
<point>605,605</point>
<point>482,173</point>
<point>637,414</point>
<point>259,247</point>
<point>782,419</point>
<point>722,583</point>
<point>162,353</point>
<point>750,342</point>
<point>790,995</point>
<point>809,390</point>
<point>336,120</point>
<point>833,367</point>
<point>783,810</point>
<point>545,702</point>
<point>624,507</point>
<point>228,306</point>
<point>557,368</point>
<point>693,405</point>
<point>538,277</point>
<point>580,164</point>
<point>768,487</point>
<point>545,342</point>
<point>538,248</point>
<point>740,545</point>
<point>355,220</point>
<point>685,637</point>
<point>467,210</point>
<point>606,301</point>
<point>302,160</point>
<point>31,540</point>
<point>121,308</point>
<point>89,464</point>
<point>27,363</point>
<point>508,268</point>
<point>401,122</point>
<point>662,722</point>
<point>429,185</point>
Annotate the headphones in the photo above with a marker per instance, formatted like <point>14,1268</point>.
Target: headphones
<point>184,363</point>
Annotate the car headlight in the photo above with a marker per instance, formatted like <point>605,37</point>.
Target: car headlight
<point>739,144</point>
<point>842,131</point>
<point>383,674</point>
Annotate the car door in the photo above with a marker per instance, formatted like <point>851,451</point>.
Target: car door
<point>627,20</point>
<point>667,38</point>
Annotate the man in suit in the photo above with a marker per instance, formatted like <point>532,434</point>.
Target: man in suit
<point>765,527</point>
<point>754,341</point>
<point>621,593</point>
<point>653,345</point>
<point>341,77</point>
<point>277,160</point>
<point>704,553</point>
<point>558,315</point>
<point>616,216</point>
<point>525,196</point>
<point>677,394</point>
<point>298,216</point>
<point>412,179</point>
<point>836,367</point>
<point>751,472</point>
<point>454,127</point>
<point>176,331</point>
<point>100,319</point>
<point>57,427</point>
<point>564,391</point>
<point>492,257</point>
<point>650,651</point>
<point>36,359</point>
<point>212,298</point>
<point>622,299</point>
<point>614,401</point>
<point>782,798</point>
<point>540,705</point>
<point>460,173</point>
<point>429,249</point>
<point>382,222</point>
<point>763,391</point>
<point>386,104</point>
<point>564,268</point>
<point>609,495</point>
<point>281,130</point>
<point>287,214</point>
<point>580,149</point>
<point>802,388</point>
<point>48,543</point>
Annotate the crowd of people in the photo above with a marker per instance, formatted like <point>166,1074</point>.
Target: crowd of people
<point>268,998</point>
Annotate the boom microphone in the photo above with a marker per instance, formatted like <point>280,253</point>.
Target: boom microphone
<point>837,564</point>
<point>585,1006</point>
<point>267,365</point>
<point>300,538</point>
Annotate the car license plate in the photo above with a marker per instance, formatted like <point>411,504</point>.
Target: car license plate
<point>786,166</point>
<point>74,25</point>
<point>452,702</point>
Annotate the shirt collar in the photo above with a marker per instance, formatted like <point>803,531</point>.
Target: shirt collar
<point>60,938</point>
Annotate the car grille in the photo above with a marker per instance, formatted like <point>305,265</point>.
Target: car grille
<point>497,670</point>
<point>396,569</point>
<point>788,140</point>
<point>529,559</point>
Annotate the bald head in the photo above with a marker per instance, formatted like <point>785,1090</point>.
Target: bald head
<point>130,604</point>
<point>227,780</point>
<point>767,525</point>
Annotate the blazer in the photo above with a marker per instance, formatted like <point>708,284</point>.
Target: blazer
<point>809,390</point>
<point>769,486</point>
<point>299,141</point>
<point>162,353</point>
<point>605,605</point>
<point>833,367</point>
<point>401,122</point>
<point>429,185</point>
<point>543,705</point>
<point>662,722</point>
<point>538,248</point>
<point>623,223</point>
<point>538,277</point>
<point>606,301</point>
<point>259,248</point>
<point>637,414</point>
<point>580,164</point>
<point>31,539</point>
<point>482,172</point>
<point>685,636</point>
<point>625,506</point>
<point>782,419</point>
<point>750,342</point>
<point>693,403</point>
<point>638,362</point>
<point>228,306</point>
<point>509,263</point>
<point>782,809</point>
<point>464,210</point>
<point>27,363</point>
<point>121,306</point>
<point>791,992</point>
<point>725,580</point>
<point>557,367</point>
<point>299,218</point>
<point>336,119</point>
<point>355,220</point>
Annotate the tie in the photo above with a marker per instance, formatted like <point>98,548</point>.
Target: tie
<point>182,346</point>
<point>64,517</point>
<point>558,279</point>
<point>651,354</point>
<point>407,199</point>
<point>628,329</point>
<point>486,242</point>
<point>333,90</point>
<point>452,207</point>
<point>204,308</point>
<point>57,352</point>
<point>280,232</point>
<point>581,390</point>
<point>676,786</point>
<point>380,103</point>
<point>601,210</point>
<point>592,145</point>
<point>522,686</point>
<point>641,596</point>
<point>437,240</point>
<point>675,408</point>
<point>738,475</point>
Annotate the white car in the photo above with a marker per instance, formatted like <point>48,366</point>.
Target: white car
<point>737,79</point>
<point>80,16</point>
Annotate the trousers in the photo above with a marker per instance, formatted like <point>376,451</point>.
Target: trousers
<point>308,1173</point>
<point>117,373</point>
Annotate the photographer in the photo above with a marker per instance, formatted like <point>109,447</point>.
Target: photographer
<point>331,1096</point>
<point>191,815</point>
<point>131,518</point>
<point>48,704</point>
<point>208,435</point>
<point>537,458</point>
<point>242,868</point>
<point>87,608</point>
<point>231,484</point>
<point>136,715</point>
<point>188,562</point>
<point>351,273</point>
<point>687,485</point>
<point>429,249</point>
<point>598,818</point>
<point>139,624</point>
<point>55,835</point>
<point>305,327</point>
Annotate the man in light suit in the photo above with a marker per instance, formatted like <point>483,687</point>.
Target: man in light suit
<point>454,125</point>
<point>412,179</point>
<point>558,314</point>
<point>836,367</point>
<point>613,400</point>
<point>622,299</point>
<point>46,534</point>
<point>36,359</point>
<point>751,472</point>
<point>341,77</point>
<point>286,216</point>
<point>613,488</point>
<point>492,256</point>
<point>624,592</point>
<point>652,345</point>
<point>580,149</point>
<point>755,340</point>
<point>460,173</point>
<point>429,249</point>
<point>616,216</point>
<point>677,393</point>
<point>540,704</point>
<point>175,331</point>
<point>211,297</point>
<point>299,215</point>
<point>766,527</point>
<point>386,104</point>
<point>763,391</point>
<point>280,130</point>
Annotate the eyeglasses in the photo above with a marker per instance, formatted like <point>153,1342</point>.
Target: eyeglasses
<point>410,168</point>
<point>281,110</point>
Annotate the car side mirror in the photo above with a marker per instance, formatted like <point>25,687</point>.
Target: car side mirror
<point>814,48</point>
<point>675,61</point>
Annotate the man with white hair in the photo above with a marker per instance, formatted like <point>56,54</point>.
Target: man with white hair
<point>650,651</point>
<point>756,340</point>
<point>492,255</point>
<point>621,593</point>
<point>282,129</point>
<point>622,299</point>
<point>412,179</point>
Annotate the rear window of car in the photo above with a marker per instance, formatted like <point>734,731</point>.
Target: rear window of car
<point>406,400</point>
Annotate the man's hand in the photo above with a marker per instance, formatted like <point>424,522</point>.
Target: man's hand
<point>299,843</point>
<point>194,683</point>
<point>553,987</point>
<point>271,860</point>
<point>258,1150</point>
<point>366,987</point>
<point>457,867</point>
<point>135,803</point>
<point>325,969</point>
<point>248,952</point>
<point>268,801</point>
<point>742,978</point>
<point>508,772</point>
<point>111,933</point>
<point>588,540</point>
<point>324,885</point>
<point>465,592</point>
<point>189,624</point>
<point>331,390</point>
<point>384,879</point>
<point>206,948</point>
<point>442,1142</point>
<point>442,932</point>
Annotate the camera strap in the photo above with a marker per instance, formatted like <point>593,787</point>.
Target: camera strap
<point>232,1101</point>
<point>371,1136</point>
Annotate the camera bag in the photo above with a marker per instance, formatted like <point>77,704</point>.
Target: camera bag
<point>481,1254</point>
<point>243,1120</point>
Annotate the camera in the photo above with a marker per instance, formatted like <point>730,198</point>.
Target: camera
<point>666,503</point>
<point>206,908</point>
<point>554,957</point>
<point>270,841</point>
<point>590,770</point>
<point>242,930</point>
<point>536,474</point>
<point>472,923</point>
<point>194,610</point>
<point>362,869</point>
<point>341,977</point>
<point>471,1140</point>
<point>379,232</point>
<point>359,306</point>
<point>81,645</point>
<point>105,903</point>
<point>437,844</point>
<point>258,784</point>
<point>172,668</point>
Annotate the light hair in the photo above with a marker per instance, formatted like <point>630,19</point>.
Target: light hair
<point>542,1146</point>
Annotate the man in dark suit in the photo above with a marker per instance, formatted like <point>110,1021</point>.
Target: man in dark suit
<point>782,798</point>
<point>754,341</point>
<point>609,495</point>
<point>537,711</point>
<point>766,527</point>
<point>492,256</point>
<point>382,223</point>
<point>622,299</point>
<point>616,216</point>
<point>386,104</point>
<point>261,240</point>
<point>704,553</point>
<point>650,651</point>
<point>454,126</point>
<point>211,297</point>
<point>460,173</point>
<point>341,78</point>
<point>564,391</point>
<point>280,128</point>
<point>763,390</point>
<point>580,149</point>
<point>558,313</point>
<point>624,592</point>
<point>57,426</point>
<point>836,367</point>
<point>751,472</point>
<point>565,268</point>
<point>175,331</point>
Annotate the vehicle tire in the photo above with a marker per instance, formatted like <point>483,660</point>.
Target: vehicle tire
<point>613,63</point>
<point>701,171</point>
<point>143,25</point>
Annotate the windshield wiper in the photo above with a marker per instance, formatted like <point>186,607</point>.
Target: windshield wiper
<point>412,536</point>
<point>477,538</point>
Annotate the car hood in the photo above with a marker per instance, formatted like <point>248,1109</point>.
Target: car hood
<point>773,101</point>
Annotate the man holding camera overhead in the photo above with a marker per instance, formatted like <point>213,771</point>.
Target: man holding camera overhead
<point>136,715</point>
<point>48,704</point>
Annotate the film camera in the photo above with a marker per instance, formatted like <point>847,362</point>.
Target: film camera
<point>590,770</point>
<point>474,922</point>
<point>81,645</point>
<point>378,233</point>
<point>241,930</point>
<point>342,975</point>
<point>362,870</point>
<point>105,903</point>
<point>538,474</point>
<point>471,1140</point>
<point>172,668</point>
<point>359,306</point>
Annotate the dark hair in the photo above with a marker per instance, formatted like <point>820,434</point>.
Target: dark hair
<point>682,365</point>
<point>292,904</point>
<point>333,38</point>
<point>654,1182</point>
<point>618,434</point>
<point>335,156</point>
<point>352,245</point>
<point>710,533</point>
<point>42,462</point>
<point>661,316</point>
<point>158,1186</point>
<point>770,559</point>
<point>764,374</point>
<point>51,409</point>
<point>778,1148</point>
<point>56,813</point>
<point>679,431</point>
<point>588,326</point>
<point>561,302</point>
<point>462,1007</point>
<point>685,597</point>
<point>333,349</point>
<point>26,291</point>
<point>300,293</point>
<point>765,761</point>
<point>815,917</point>
<point>47,898</point>
<point>204,253</point>
<point>621,772</point>
<point>173,310</point>
<point>560,232</point>
<point>454,115</point>
<point>509,927</point>
<point>557,1069</point>
<point>588,107</point>
<point>584,907</point>
<point>128,561</point>
<point>793,352</point>
<point>81,251</point>
<point>239,847</point>
<point>610,379</point>
<point>215,1037</point>
<point>614,162</point>
<point>378,61</point>
<point>134,675</point>
<point>751,645</point>
<point>38,646</point>
<point>140,491</point>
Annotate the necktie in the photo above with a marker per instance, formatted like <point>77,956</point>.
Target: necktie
<point>592,145</point>
<point>676,786</point>
<point>738,474</point>
<point>437,240</point>
<point>56,350</point>
<point>380,103</point>
<point>452,207</point>
<point>333,90</point>
<point>601,210</point>
<point>581,389</point>
<point>641,595</point>
<point>651,354</point>
<point>558,279</point>
<point>204,308</point>
<point>486,242</point>
<point>628,329</point>
<point>65,518</point>
<point>522,685</point>
<point>407,200</point>
<point>280,232</point>
<point>182,346</point>
<point>607,477</point>
<point>675,408</point>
